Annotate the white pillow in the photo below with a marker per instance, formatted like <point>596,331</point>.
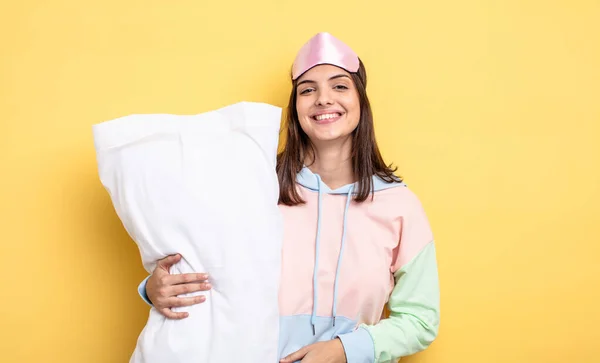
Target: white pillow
<point>203,186</point>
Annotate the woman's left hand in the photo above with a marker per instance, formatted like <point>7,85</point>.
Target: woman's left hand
<point>331,351</point>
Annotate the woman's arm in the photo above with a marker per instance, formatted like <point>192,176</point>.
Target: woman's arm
<point>414,315</point>
<point>411,327</point>
<point>414,303</point>
<point>161,289</point>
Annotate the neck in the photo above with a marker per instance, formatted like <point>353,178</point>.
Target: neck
<point>333,163</point>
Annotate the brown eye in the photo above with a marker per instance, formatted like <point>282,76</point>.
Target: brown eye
<point>305,91</point>
<point>341,87</point>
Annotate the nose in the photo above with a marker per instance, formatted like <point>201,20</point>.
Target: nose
<point>324,97</point>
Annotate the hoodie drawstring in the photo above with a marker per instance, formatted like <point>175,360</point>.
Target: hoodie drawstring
<point>339,263</point>
<point>313,318</point>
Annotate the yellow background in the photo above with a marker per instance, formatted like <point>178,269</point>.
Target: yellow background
<point>490,108</point>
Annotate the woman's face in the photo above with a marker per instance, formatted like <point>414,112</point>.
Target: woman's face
<point>327,103</point>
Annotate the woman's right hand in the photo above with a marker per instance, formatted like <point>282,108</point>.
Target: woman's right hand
<point>163,288</point>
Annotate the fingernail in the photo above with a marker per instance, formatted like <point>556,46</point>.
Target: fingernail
<point>208,285</point>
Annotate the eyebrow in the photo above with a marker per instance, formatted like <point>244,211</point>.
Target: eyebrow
<point>331,78</point>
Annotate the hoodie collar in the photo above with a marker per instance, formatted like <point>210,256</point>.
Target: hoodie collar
<point>308,179</point>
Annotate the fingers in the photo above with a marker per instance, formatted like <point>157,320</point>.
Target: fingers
<point>167,281</point>
<point>173,315</point>
<point>166,295</point>
<point>189,288</point>
<point>297,355</point>
<point>163,286</point>
<point>186,301</point>
<point>187,278</point>
<point>172,302</point>
<point>168,261</point>
<point>179,302</point>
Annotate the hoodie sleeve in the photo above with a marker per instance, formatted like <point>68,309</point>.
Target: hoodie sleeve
<point>142,291</point>
<point>414,303</point>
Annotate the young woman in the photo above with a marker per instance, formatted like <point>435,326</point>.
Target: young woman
<point>356,239</point>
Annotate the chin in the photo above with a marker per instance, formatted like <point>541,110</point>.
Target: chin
<point>329,136</point>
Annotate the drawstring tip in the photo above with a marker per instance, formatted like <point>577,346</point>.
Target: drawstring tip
<point>314,332</point>
<point>334,321</point>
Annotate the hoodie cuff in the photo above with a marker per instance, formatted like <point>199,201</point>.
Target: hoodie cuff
<point>359,346</point>
<point>142,291</point>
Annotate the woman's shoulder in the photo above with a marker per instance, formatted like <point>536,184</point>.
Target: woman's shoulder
<point>398,195</point>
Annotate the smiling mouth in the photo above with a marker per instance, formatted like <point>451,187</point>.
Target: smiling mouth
<point>327,117</point>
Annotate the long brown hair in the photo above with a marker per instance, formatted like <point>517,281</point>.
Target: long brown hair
<point>366,158</point>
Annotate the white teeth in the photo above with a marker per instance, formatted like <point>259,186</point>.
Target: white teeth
<point>326,116</point>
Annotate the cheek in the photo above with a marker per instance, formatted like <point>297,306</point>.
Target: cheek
<point>353,108</point>
<point>305,124</point>
<point>301,108</point>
